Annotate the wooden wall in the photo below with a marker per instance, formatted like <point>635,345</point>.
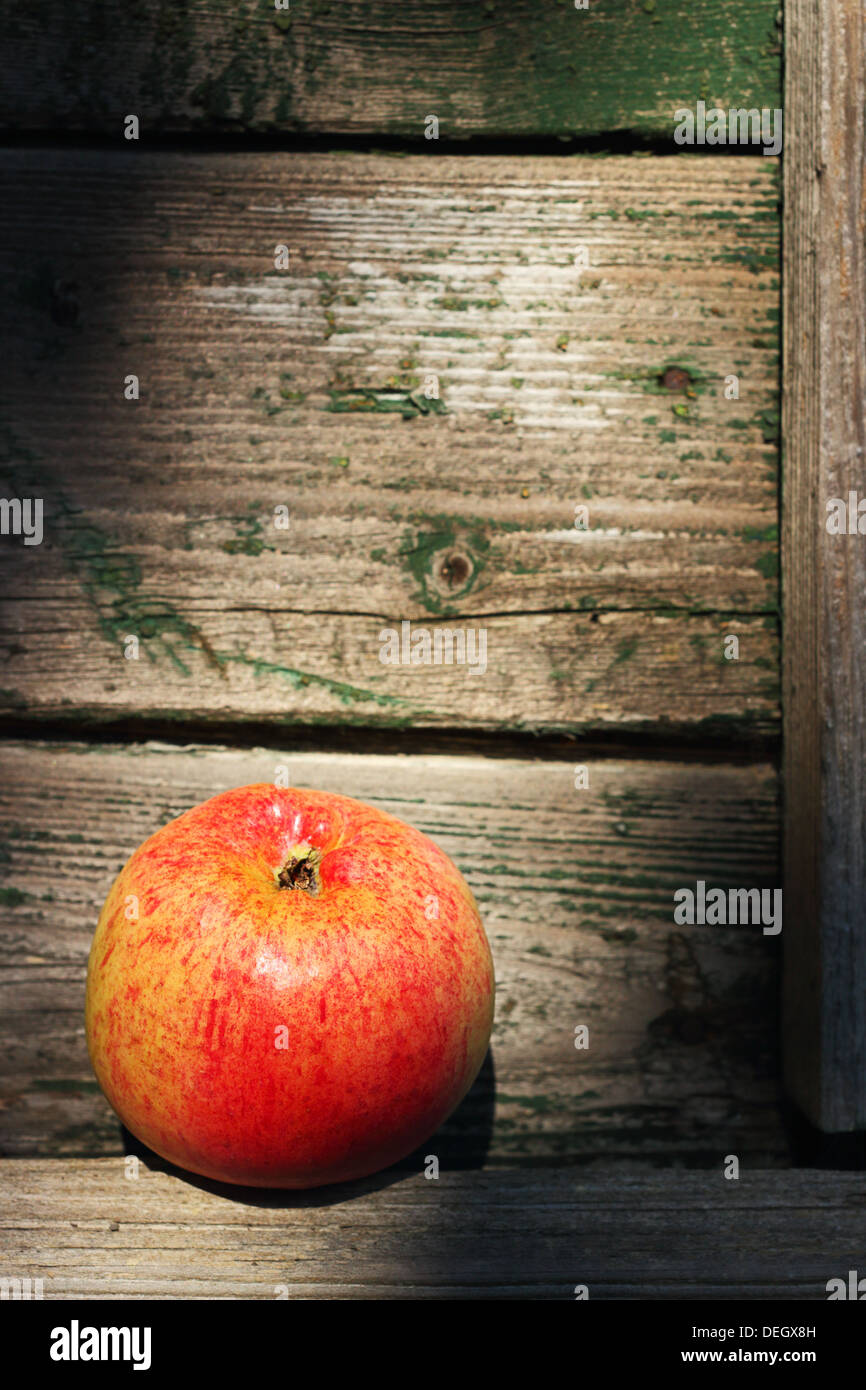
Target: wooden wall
<point>583,313</point>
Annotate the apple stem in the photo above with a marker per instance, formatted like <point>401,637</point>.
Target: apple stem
<point>301,871</point>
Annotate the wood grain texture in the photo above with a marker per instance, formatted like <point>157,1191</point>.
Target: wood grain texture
<point>369,67</point>
<point>575,887</point>
<point>91,1232</point>
<point>560,385</point>
<point>825,574</point>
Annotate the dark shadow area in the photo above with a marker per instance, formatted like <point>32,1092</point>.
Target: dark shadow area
<point>462,1142</point>
<point>811,1148</point>
<point>214,141</point>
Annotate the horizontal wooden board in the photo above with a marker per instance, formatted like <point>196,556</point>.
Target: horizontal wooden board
<point>562,385</point>
<point>89,1231</point>
<point>366,67</point>
<point>575,887</point>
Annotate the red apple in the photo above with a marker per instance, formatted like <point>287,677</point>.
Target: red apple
<point>287,988</point>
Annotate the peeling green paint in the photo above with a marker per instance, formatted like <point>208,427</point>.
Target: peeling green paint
<point>455,303</point>
<point>768,564</point>
<point>108,574</point>
<point>622,66</point>
<point>13,897</point>
<point>625,650</point>
<point>761,533</point>
<point>249,534</point>
<point>419,549</point>
<point>298,679</point>
<point>367,401</point>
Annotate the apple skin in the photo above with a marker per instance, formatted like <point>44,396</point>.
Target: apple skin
<point>383,979</point>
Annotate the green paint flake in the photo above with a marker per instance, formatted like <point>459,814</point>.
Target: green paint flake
<point>299,680</point>
<point>419,550</point>
<point>757,533</point>
<point>366,401</point>
<point>625,650</point>
<point>768,564</point>
<point>454,303</point>
<point>539,1105</point>
<point>110,578</point>
<point>447,333</point>
<point>13,897</point>
<point>248,539</point>
<point>770,424</point>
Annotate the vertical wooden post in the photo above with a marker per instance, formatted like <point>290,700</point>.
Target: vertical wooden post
<point>824,575</point>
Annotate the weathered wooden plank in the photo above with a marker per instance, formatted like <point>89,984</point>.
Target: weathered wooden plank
<point>825,572</point>
<point>89,1231</point>
<point>560,386</point>
<point>576,890</point>
<point>362,67</point>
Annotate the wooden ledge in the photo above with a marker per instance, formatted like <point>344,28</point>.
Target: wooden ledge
<point>90,1232</point>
